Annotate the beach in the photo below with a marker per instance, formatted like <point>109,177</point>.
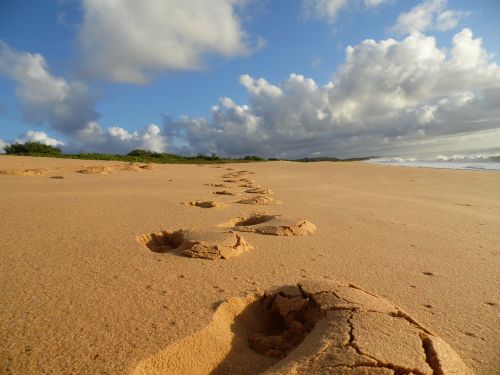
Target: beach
<point>82,294</point>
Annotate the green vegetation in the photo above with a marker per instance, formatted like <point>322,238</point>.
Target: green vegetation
<point>32,149</point>
<point>326,158</point>
<point>143,156</point>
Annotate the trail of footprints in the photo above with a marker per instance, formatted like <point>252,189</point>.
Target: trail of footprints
<point>100,170</point>
<point>315,327</point>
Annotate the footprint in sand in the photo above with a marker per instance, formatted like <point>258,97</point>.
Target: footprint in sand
<point>237,174</point>
<point>96,170</point>
<point>219,185</point>
<point>259,191</point>
<point>197,244</point>
<point>250,185</point>
<point>226,192</point>
<point>25,172</point>
<point>317,327</point>
<point>271,224</point>
<point>133,167</point>
<point>203,204</point>
<point>260,200</point>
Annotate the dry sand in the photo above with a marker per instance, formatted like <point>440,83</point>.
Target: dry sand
<point>80,293</point>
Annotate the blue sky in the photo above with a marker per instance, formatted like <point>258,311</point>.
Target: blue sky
<point>105,110</point>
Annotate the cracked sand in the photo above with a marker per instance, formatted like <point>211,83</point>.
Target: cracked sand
<point>197,244</point>
<point>317,327</point>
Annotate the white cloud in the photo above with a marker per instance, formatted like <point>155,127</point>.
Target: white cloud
<point>40,137</point>
<point>65,106</point>
<point>387,93</point>
<point>328,10</point>
<point>128,40</point>
<point>323,9</point>
<point>430,14</point>
<point>118,140</point>
<point>374,3</point>
<point>2,145</point>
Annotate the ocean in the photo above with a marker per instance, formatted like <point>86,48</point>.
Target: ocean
<point>479,162</point>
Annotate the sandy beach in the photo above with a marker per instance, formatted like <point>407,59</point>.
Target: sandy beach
<point>85,289</point>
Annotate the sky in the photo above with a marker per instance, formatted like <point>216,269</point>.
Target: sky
<point>286,79</point>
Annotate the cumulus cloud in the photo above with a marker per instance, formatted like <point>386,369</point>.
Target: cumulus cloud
<point>118,140</point>
<point>40,137</point>
<point>128,40</point>
<point>386,93</point>
<point>328,10</point>
<point>65,106</point>
<point>428,15</point>
<point>2,145</point>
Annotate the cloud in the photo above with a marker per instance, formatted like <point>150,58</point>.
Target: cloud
<point>386,93</point>
<point>40,137</point>
<point>2,145</point>
<point>428,15</point>
<point>374,3</point>
<point>128,41</point>
<point>328,10</point>
<point>65,106</point>
<point>118,140</point>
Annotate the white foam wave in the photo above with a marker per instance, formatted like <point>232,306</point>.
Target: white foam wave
<point>473,162</point>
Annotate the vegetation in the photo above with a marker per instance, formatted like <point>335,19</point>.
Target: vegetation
<point>33,149</point>
<point>326,158</point>
<point>143,156</point>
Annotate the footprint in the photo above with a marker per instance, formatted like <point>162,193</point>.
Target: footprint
<point>203,204</point>
<point>25,172</point>
<point>130,167</point>
<point>317,327</point>
<point>219,185</point>
<point>259,191</point>
<point>96,170</point>
<point>428,273</point>
<point>236,174</point>
<point>250,185</point>
<point>197,244</point>
<point>226,192</point>
<point>259,199</point>
<point>271,224</point>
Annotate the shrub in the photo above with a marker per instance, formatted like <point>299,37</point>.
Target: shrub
<point>32,148</point>
<point>253,157</point>
<point>144,153</point>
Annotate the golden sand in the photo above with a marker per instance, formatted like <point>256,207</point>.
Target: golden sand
<point>80,294</point>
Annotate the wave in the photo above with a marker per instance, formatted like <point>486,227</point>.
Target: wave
<point>459,161</point>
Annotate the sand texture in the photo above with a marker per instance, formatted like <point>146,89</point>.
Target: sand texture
<point>110,272</point>
<point>313,328</point>
<point>271,224</point>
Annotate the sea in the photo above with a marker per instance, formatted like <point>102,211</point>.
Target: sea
<point>485,161</point>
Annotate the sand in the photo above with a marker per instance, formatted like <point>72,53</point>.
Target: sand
<point>80,293</point>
